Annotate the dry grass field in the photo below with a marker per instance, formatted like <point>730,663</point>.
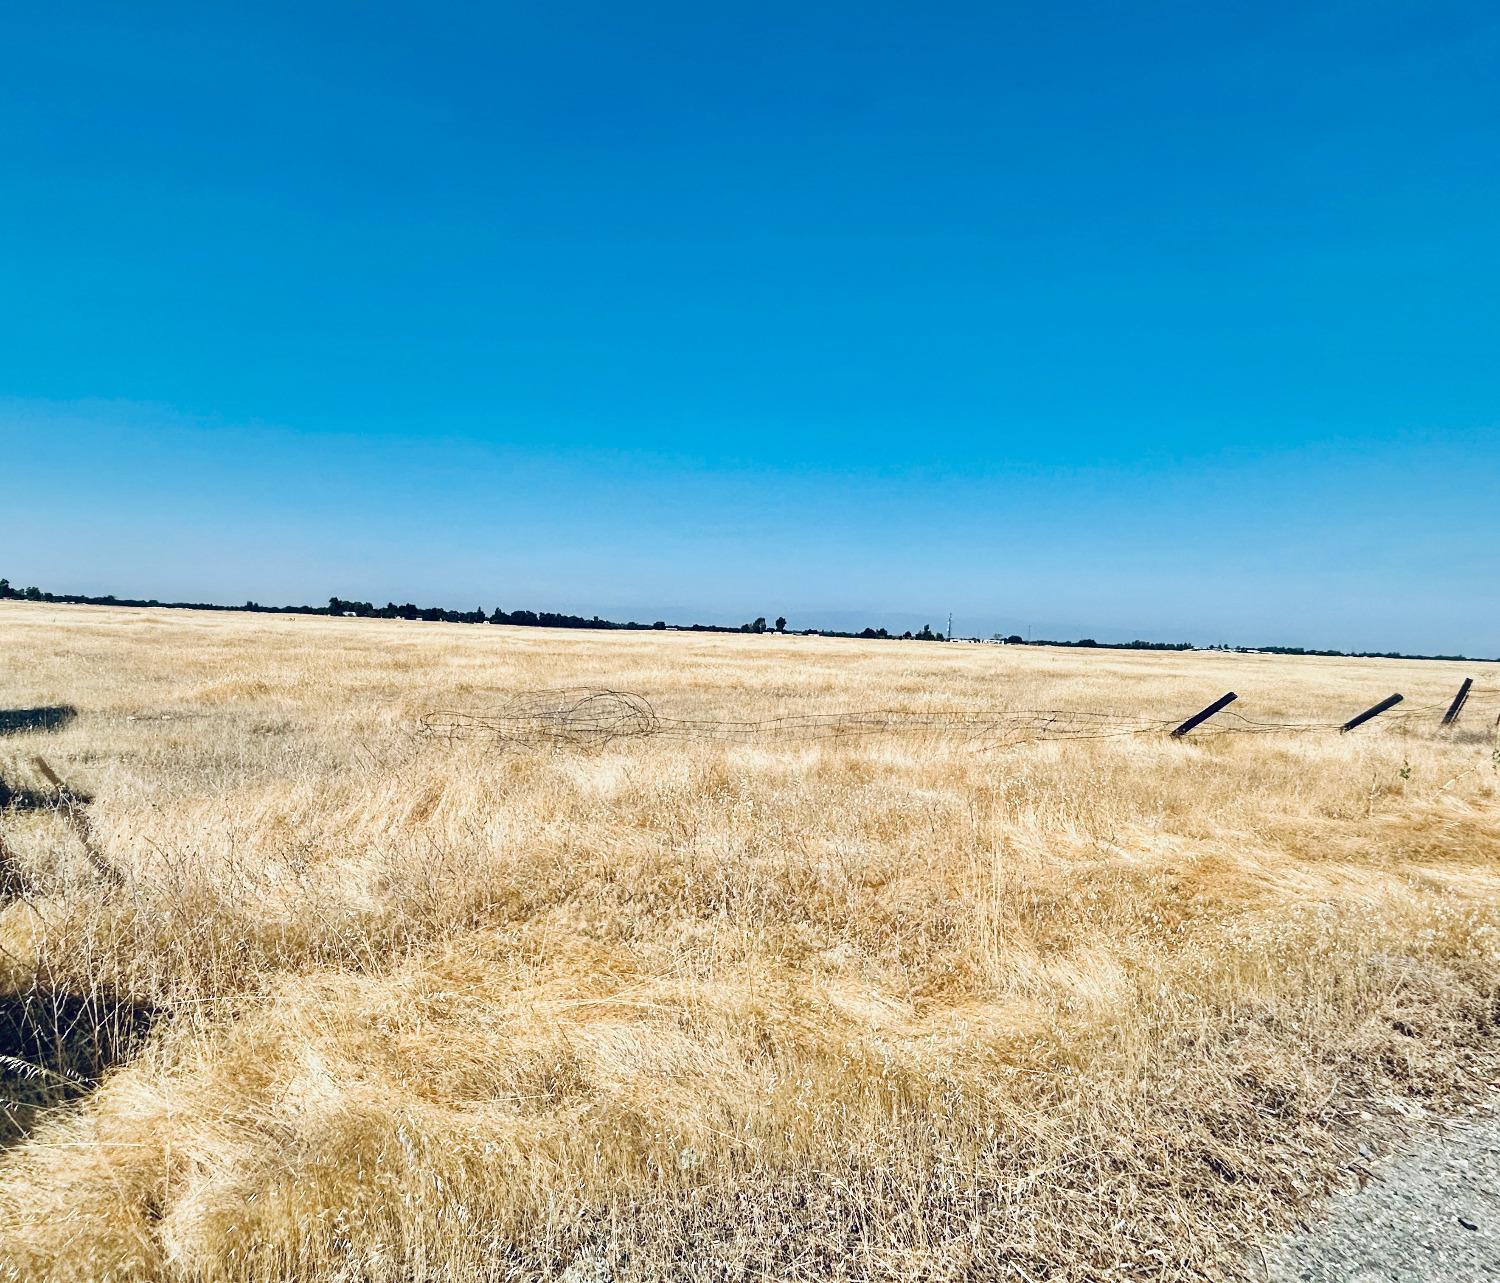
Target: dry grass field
<point>895,1006</point>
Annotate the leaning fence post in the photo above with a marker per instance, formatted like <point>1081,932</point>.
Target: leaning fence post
<point>1197,719</point>
<point>1390,701</point>
<point>1457,707</point>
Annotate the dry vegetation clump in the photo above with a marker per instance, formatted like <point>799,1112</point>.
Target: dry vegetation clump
<point>893,1007</point>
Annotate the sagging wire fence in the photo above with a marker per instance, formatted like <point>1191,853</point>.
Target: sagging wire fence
<point>592,717</point>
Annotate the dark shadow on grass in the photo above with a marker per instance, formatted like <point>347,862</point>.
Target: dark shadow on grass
<point>55,1047</point>
<point>20,798</point>
<point>16,721</point>
<point>17,797</point>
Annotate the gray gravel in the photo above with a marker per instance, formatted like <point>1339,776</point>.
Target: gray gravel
<point>1431,1210</point>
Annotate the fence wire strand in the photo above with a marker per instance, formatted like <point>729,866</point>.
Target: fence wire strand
<point>580,717</point>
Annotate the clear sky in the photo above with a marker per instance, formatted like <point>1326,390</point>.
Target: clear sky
<point>1166,320</point>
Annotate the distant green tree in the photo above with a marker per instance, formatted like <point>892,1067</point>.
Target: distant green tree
<point>781,623</point>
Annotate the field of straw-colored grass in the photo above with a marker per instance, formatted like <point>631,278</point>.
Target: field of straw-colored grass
<point>900,1006</point>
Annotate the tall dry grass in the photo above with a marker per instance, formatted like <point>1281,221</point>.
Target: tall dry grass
<point>895,1007</point>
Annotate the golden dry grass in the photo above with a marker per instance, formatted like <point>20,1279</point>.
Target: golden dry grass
<point>895,1007</point>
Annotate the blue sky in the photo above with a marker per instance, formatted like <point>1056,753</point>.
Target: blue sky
<point>1174,321</point>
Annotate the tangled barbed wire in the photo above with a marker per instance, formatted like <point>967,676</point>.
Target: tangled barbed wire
<point>591,717</point>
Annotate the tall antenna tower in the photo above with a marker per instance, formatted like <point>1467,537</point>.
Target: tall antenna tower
<point>950,626</point>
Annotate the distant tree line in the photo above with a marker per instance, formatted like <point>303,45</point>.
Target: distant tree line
<point>7,592</point>
<point>338,606</point>
<point>758,625</point>
<point>1351,654</point>
<point>1090,642</point>
<point>437,614</point>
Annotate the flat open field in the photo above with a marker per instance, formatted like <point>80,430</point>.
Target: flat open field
<point>909,1004</point>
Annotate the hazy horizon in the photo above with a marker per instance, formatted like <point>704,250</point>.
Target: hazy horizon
<point>982,625</point>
